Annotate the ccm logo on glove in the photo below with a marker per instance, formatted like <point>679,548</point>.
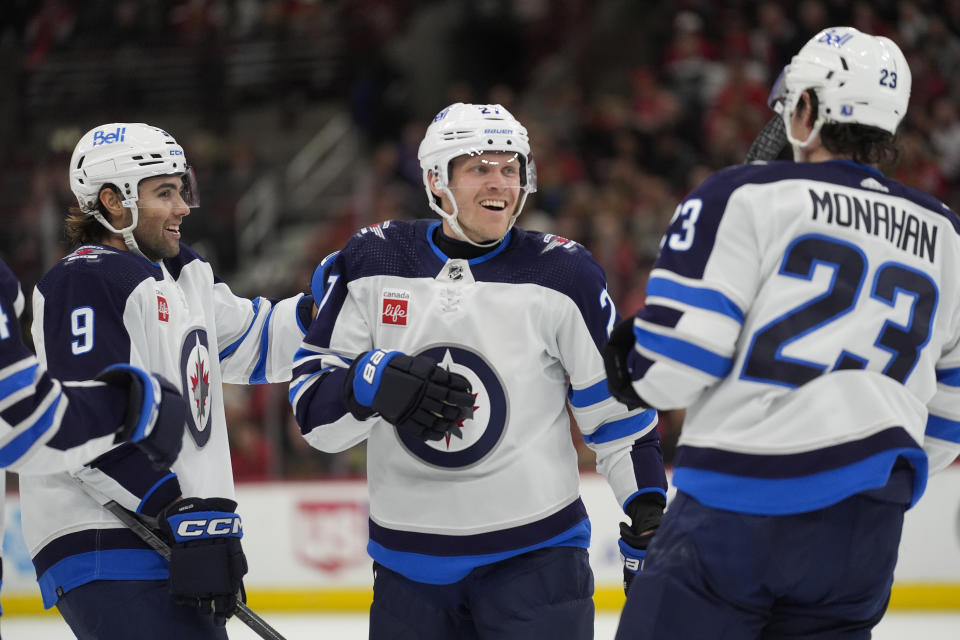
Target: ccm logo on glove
<point>195,526</point>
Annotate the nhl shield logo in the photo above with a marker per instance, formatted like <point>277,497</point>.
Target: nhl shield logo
<point>195,381</point>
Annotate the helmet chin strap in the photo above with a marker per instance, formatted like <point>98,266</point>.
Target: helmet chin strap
<point>451,218</point>
<point>126,232</point>
<point>799,145</point>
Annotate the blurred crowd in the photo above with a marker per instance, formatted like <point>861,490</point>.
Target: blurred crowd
<point>629,105</point>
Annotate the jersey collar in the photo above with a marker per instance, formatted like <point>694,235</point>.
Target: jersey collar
<point>487,256</point>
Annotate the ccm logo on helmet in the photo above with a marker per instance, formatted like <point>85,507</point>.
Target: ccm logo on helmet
<point>102,137</point>
<point>205,528</point>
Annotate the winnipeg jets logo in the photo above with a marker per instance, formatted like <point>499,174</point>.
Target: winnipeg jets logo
<point>195,379</point>
<point>480,434</point>
<point>200,389</point>
<point>469,431</point>
<point>460,424</point>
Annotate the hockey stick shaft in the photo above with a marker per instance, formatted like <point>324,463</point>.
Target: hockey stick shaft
<point>769,142</point>
<point>244,613</point>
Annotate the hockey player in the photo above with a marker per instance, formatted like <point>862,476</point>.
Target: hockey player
<point>453,348</point>
<point>806,313</point>
<point>48,427</point>
<point>132,292</point>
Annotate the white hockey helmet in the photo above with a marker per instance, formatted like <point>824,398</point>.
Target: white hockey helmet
<point>469,129</point>
<point>122,154</point>
<point>858,79</point>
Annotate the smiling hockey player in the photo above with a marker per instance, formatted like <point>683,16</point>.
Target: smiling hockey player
<point>132,292</point>
<point>454,347</point>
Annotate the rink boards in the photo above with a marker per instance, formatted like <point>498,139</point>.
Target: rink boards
<point>305,544</point>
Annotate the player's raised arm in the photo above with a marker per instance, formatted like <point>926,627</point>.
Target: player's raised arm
<point>52,426</point>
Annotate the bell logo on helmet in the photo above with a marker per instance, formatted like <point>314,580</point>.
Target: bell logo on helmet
<point>101,137</point>
<point>831,37</point>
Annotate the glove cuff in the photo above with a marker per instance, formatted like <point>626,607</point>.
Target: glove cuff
<point>193,519</point>
<point>143,399</point>
<point>368,374</point>
<point>632,558</point>
<point>356,409</point>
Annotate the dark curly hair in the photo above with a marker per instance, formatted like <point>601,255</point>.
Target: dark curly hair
<point>859,142</point>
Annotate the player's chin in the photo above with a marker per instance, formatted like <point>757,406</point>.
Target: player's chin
<point>170,249</point>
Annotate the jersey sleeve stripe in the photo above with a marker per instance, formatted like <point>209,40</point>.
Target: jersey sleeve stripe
<point>226,353</point>
<point>699,297</point>
<point>617,429</point>
<point>18,381</point>
<point>943,428</point>
<point>152,490</point>
<point>296,386</point>
<point>259,375</point>
<point>595,393</point>
<point>684,352</point>
<point>14,450</point>
<point>949,377</point>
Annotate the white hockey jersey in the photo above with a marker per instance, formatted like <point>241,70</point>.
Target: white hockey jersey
<point>35,407</point>
<point>98,306</point>
<point>808,314</point>
<point>525,324</point>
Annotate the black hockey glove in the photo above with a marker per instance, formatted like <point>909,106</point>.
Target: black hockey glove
<point>412,393</point>
<point>207,564</point>
<point>615,355</point>
<point>645,512</point>
<point>156,412</point>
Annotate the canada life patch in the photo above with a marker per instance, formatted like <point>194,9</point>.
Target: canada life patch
<point>394,308</point>
<point>163,309</point>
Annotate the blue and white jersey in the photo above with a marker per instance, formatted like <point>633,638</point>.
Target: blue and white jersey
<point>525,324</point>
<point>808,315</point>
<point>47,426</point>
<point>98,306</point>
